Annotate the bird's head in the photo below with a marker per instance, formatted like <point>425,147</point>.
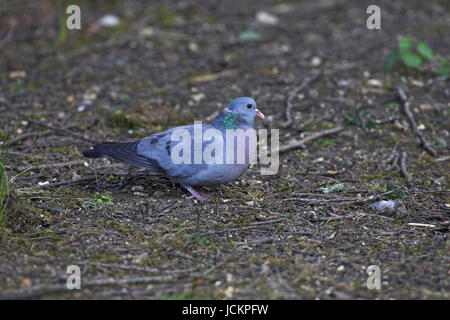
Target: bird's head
<point>240,112</point>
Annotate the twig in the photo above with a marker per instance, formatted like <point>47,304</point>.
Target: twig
<point>255,242</point>
<point>403,170</point>
<point>394,163</point>
<point>53,165</point>
<point>29,134</point>
<point>423,143</point>
<point>301,143</point>
<point>421,225</point>
<point>349,216</point>
<point>76,135</point>
<point>348,200</point>
<point>7,38</point>
<point>41,290</point>
<point>293,94</point>
<point>252,226</point>
<point>136,268</point>
<point>65,183</point>
<point>44,207</point>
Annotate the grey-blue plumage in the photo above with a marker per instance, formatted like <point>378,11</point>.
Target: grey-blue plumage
<point>155,152</point>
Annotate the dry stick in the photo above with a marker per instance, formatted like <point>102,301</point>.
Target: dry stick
<point>65,183</point>
<point>39,290</point>
<point>252,226</point>
<point>76,135</point>
<point>403,170</point>
<point>53,165</point>
<point>44,207</point>
<point>301,143</point>
<point>394,163</point>
<point>293,94</point>
<point>423,143</point>
<point>29,134</point>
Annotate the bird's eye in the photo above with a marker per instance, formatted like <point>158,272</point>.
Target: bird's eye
<point>249,106</point>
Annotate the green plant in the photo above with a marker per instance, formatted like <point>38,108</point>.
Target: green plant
<point>61,10</point>
<point>325,142</point>
<point>99,199</point>
<point>4,192</point>
<point>360,119</point>
<point>444,69</point>
<point>413,54</point>
<point>103,198</point>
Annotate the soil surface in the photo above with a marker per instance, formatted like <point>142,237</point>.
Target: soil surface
<point>307,232</point>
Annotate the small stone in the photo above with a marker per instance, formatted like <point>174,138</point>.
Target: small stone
<point>25,283</point>
<point>17,74</point>
<point>313,93</point>
<point>417,83</point>
<point>374,83</point>
<point>266,18</point>
<point>158,194</point>
<point>425,107</point>
<point>341,268</point>
<point>147,32</point>
<point>198,97</point>
<point>137,188</point>
<point>229,292</point>
<point>193,46</point>
<point>316,61</point>
<point>138,259</point>
<point>108,21</point>
<point>390,205</point>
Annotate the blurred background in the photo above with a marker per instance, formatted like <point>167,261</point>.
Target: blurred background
<point>139,67</point>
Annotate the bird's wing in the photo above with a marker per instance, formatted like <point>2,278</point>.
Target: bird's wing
<point>159,147</point>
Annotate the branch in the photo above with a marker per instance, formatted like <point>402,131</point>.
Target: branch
<point>53,165</point>
<point>41,290</point>
<point>423,143</point>
<point>301,143</point>
<point>62,130</point>
<point>293,94</point>
<point>403,170</point>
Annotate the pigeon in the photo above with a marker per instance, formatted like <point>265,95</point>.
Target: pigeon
<point>158,151</point>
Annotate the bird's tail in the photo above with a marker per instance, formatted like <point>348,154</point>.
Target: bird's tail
<point>125,151</point>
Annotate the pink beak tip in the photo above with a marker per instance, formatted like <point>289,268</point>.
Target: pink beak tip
<point>260,114</point>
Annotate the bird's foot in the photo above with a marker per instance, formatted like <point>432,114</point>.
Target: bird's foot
<point>199,195</point>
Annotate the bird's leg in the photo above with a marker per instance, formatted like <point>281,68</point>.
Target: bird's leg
<point>199,195</point>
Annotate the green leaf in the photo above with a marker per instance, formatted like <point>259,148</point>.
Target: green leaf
<point>404,44</point>
<point>444,69</point>
<point>411,60</point>
<point>392,59</point>
<point>393,105</point>
<point>250,36</point>
<point>425,51</point>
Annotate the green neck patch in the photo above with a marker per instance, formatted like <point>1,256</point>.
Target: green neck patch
<point>230,121</point>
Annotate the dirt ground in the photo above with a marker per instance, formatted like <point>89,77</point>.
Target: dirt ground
<point>307,232</point>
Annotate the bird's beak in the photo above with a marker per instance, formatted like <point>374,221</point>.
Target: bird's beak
<point>259,114</point>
